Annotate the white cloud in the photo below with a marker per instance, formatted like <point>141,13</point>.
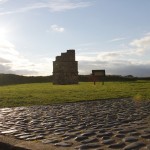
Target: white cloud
<point>44,66</point>
<point>147,34</point>
<point>5,69</point>
<point>85,58</point>
<point>11,61</point>
<point>57,28</point>
<point>126,61</point>
<point>123,62</point>
<point>63,5</point>
<point>117,67</point>
<point>102,56</point>
<point>52,5</point>
<point>3,1</point>
<point>117,39</point>
<point>142,44</point>
<point>110,55</point>
<point>4,61</point>
<point>5,45</point>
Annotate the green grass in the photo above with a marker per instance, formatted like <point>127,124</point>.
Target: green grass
<point>47,93</point>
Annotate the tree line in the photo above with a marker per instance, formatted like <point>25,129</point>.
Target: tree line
<point>8,79</point>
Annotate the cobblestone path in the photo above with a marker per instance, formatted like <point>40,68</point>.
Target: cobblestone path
<point>96,125</point>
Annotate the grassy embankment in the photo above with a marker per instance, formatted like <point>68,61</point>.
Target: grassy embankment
<point>47,93</point>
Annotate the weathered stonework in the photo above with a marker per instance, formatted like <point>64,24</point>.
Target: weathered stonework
<point>65,69</point>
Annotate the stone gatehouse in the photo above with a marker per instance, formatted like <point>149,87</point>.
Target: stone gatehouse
<point>65,69</point>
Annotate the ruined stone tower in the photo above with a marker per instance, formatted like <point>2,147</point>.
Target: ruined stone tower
<point>65,68</point>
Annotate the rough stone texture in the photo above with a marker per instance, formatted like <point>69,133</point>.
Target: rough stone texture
<point>65,69</point>
<point>136,145</point>
<point>82,125</point>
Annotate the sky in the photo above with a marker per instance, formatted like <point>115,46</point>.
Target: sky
<point>107,34</point>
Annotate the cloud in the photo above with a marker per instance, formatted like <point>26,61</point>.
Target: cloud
<point>52,5</point>
<point>57,28</point>
<point>2,60</point>
<point>103,56</point>
<point>63,5</point>
<point>117,67</point>
<point>126,61</point>
<point>11,61</point>
<point>3,1</point>
<point>5,69</point>
<point>8,52</point>
<point>8,70</point>
<point>147,34</point>
<point>85,58</point>
<point>117,39</point>
<point>132,68</point>
<point>7,47</point>
<point>123,62</point>
<point>142,44</point>
<point>110,55</point>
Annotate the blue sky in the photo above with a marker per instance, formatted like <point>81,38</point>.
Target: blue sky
<point>107,34</point>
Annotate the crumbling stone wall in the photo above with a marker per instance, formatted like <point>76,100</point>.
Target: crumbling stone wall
<point>65,69</point>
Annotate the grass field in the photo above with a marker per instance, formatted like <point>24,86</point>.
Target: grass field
<point>47,93</point>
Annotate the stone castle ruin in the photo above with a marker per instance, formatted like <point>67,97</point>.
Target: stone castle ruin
<point>65,69</point>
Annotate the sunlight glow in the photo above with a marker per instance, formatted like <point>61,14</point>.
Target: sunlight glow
<point>4,32</point>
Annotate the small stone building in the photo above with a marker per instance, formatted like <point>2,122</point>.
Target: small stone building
<point>65,69</point>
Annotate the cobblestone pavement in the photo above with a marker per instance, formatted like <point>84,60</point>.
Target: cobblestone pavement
<point>105,124</point>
